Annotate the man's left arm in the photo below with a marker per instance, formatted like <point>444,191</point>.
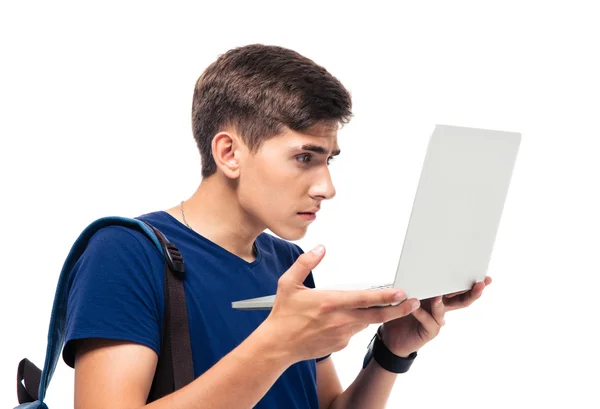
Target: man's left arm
<point>370,389</point>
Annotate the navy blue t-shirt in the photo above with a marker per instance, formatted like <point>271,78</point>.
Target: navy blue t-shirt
<point>117,293</point>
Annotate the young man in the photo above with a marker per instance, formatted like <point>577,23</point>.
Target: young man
<point>265,120</point>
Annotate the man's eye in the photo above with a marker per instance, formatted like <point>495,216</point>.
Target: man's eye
<point>304,158</point>
<point>307,158</point>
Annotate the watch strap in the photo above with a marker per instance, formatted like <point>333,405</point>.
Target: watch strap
<point>386,358</point>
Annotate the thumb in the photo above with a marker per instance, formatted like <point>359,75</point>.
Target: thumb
<point>298,272</point>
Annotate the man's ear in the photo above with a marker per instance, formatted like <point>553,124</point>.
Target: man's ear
<point>226,153</point>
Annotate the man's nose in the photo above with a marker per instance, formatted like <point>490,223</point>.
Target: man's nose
<point>323,188</point>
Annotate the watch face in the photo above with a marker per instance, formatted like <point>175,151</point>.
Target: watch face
<point>368,357</point>
<point>369,354</point>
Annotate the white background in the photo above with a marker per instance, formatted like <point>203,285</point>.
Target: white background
<point>95,120</point>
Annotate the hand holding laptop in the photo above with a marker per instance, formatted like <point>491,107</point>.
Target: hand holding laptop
<point>314,323</point>
<point>408,334</point>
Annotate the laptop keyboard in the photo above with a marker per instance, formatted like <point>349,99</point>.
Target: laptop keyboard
<point>380,287</point>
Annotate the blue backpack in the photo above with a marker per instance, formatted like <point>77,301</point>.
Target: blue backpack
<point>175,366</point>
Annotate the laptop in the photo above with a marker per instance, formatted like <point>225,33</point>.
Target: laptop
<point>455,215</point>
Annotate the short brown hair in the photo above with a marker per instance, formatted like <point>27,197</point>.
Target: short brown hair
<point>260,90</point>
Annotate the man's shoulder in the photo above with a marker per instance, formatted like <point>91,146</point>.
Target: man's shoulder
<point>117,236</point>
<point>117,240</point>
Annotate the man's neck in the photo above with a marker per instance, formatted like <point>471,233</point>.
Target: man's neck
<point>213,211</point>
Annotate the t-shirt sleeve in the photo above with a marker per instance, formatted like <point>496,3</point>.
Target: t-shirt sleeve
<point>117,291</point>
<point>310,283</point>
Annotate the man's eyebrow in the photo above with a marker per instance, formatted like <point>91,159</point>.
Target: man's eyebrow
<point>319,149</point>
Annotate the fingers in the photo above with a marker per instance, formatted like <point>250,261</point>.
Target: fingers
<point>385,314</point>
<point>438,310</point>
<point>487,281</point>
<point>430,324</point>
<point>298,272</point>
<point>465,299</point>
<point>451,295</point>
<point>366,298</point>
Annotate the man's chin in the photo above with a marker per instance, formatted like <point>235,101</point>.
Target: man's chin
<point>290,234</point>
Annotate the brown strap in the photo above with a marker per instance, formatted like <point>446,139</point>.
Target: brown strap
<point>28,381</point>
<point>175,367</point>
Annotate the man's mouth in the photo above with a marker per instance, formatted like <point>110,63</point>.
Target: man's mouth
<point>307,215</point>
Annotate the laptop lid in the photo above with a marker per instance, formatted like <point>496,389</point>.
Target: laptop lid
<point>456,211</point>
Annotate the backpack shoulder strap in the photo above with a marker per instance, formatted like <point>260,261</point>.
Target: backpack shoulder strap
<point>175,361</point>
<point>175,367</point>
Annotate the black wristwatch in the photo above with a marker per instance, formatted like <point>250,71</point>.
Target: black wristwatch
<point>386,358</point>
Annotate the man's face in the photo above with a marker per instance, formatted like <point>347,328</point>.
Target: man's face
<point>282,185</point>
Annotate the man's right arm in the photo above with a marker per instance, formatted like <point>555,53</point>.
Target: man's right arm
<point>119,374</point>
